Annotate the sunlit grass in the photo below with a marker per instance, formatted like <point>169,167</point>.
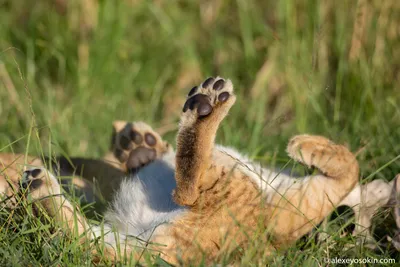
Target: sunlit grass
<point>295,65</point>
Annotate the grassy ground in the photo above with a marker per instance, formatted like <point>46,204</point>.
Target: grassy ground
<point>307,66</point>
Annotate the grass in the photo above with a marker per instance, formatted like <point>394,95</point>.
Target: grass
<point>319,67</point>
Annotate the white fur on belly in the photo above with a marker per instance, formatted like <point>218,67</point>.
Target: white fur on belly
<point>144,201</point>
<point>268,180</point>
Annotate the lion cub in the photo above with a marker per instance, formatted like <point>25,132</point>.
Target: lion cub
<point>204,201</point>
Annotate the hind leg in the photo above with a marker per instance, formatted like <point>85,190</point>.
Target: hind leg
<point>134,145</point>
<point>306,202</point>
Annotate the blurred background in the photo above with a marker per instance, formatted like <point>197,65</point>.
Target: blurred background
<point>68,68</point>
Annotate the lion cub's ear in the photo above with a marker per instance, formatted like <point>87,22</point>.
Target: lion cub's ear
<point>119,125</point>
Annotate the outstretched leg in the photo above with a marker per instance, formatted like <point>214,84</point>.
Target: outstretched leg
<point>206,106</point>
<point>306,202</point>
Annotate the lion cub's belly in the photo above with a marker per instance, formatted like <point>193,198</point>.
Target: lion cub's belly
<point>144,201</point>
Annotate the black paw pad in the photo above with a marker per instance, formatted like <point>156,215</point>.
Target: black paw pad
<point>208,82</point>
<point>136,137</point>
<point>140,157</point>
<point>34,173</point>
<point>34,184</point>
<point>192,91</point>
<point>204,109</point>
<point>218,85</point>
<point>200,102</point>
<point>150,139</point>
<point>27,180</point>
<point>223,96</point>
<point>125,142</point>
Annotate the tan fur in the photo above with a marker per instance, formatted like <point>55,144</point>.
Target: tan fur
<point>226,206</point>
<point>11,168</point>
<point>307,205</point>
<point>224,202</point>
<point>227,209</point>
<point>194,146</point>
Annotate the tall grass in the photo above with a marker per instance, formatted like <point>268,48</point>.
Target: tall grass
<point>306,66</point>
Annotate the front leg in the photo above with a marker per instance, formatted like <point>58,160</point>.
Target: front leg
<point>206,106</point>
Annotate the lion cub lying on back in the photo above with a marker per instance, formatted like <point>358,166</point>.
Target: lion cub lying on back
<point>203,201</point>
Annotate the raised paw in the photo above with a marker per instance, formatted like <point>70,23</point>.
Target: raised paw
<point>320,152</point>
<point>136,144</point>
<point>205,108</point>
<point>40,183</point>
<point>214,95</point>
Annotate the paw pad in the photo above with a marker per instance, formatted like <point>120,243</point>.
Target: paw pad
<point>30,179</point>
<point>211,92</point>
<point>136,144</point>
<point>208,82</point>
<point>40,183</point>
<point>218,85</point>
<point>192,91</point>
<point>140,157</point>
<point>150,139</point>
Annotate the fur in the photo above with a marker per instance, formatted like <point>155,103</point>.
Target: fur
<point>203,201</point>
